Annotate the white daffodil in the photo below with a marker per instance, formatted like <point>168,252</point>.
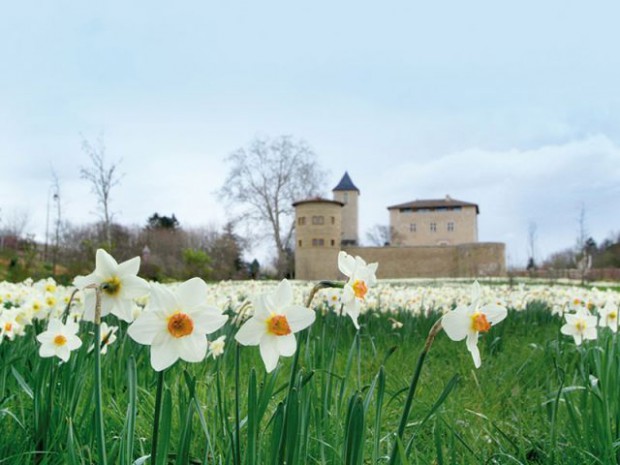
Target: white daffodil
<point>9,325</point>
<point>119,283</point>
<point>609,316</point>
<point>467,322</point>
<point>216,347</point>
<point>108,336</point>
<point>175,324</point>
<point>274,324</point>
<point>580,325</point>
<point>60,339</point>
<point>361,276</point>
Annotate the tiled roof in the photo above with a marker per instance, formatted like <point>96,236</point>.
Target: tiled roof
<point>434,203</point>
<point>345,184</point>
<point>317,200</point>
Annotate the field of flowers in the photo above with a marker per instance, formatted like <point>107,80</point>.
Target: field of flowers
<point>352,372</point>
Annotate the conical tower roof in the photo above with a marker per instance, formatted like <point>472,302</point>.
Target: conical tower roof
<point>346,184</point>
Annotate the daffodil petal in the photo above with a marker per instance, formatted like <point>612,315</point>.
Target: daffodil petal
<point>105,263</point>
<point>251,332</point>
<point>192,293</point>
<point>456,323</point>
<point>269,352</point>
<point>472,346</point>
<point>299,317</point>
<point>286,344</point>
<point>163,355</point>
<point>283,294</point>
<point>146,327</point>
<point>129,267</point>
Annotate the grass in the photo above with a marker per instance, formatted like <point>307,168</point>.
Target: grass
<point>338,402</point>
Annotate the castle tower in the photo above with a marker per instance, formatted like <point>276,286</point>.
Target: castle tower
<point>318,229</point>
<point>347,193</point>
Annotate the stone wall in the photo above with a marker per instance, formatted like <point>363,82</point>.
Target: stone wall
<point>465,260</point>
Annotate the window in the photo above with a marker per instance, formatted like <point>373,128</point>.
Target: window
<point>433,227</point>
<point>299,242</point>
<point>301,220</point>
<point>406,210</point>
<point>346,197</point>
<point>450,227</point>
<point>318,242</point>
<point>412,227</point>
<point>333,220</point>
<point>423,210</point>
<point>333,242</point>
<point>318,220</point>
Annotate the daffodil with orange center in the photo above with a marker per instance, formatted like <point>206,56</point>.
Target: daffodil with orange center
<point>60,339</point>
<point>361,277</point>
<point>176,322</point>
<point>467,322</point>
<point>274,323</point>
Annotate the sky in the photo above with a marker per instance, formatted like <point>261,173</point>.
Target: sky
<point>511,105</point>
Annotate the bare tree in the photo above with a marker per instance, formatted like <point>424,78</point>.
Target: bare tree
<point>266,177</point>
<point>531,245</point>
<point>102,177</point>
<point>382,235</point>
<point>55,190</point>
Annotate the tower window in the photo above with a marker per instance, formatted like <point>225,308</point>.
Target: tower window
<point>333,242</point>
<point>318,220</point>
<point>346,197</point>
<point>318,242</point>
<point>433,227</point>
<point>299,242</point>
<point>450,226</point>
<point>301,220</point>
<point>333,220</point>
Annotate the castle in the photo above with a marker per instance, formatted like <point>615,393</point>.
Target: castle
<point>429,238</point>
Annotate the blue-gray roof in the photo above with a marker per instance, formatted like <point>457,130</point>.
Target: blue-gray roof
<point>345,184</point>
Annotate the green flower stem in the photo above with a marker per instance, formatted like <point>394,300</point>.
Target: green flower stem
<point>237,449</point>
<point>412,387</point>
<point>322,285</point>
<point>98,390</point>
<point>156,415</point>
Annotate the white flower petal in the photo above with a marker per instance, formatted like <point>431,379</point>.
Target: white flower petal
<point>163,355</point>
<point>148,325</point>
<point>346,263</point>
<point>457,323</point>
<point>251,333</point>
<point>299,317</point>
<point>133,287</point>
<point>269,352</point>
<point>208,320</point>
<point>192,348</point>
<point>494,313</point>
<point>283,294</point>
<point>192,293</point>
<point>81,282</point>
<point>129,267</point>
<point>472,346</point>
<point>286,344</point>
<point>105,263</point>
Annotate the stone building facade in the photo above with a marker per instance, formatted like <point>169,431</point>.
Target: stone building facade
<point>434,222</point>
<point>450,248</point>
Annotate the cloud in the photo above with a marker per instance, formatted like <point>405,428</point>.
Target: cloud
<point>547,185</point>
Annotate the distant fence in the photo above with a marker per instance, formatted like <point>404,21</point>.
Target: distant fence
<point>594,274</point>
